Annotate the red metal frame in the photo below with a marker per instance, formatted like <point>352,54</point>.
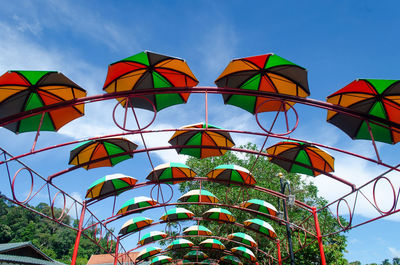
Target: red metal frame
<point>46,186</point>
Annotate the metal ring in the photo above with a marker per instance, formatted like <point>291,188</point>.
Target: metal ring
<point>13,184</point>
<point>289,131</point>
<point>126,107</point>
<point>64,205</point>
<point>159,187</point>
<point>338,217</point>
<point>374,195</point>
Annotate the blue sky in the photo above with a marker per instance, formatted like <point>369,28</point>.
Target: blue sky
<point>337,41</point>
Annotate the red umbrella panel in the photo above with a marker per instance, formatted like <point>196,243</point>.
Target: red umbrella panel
<point>265,73</point>
<point>375,97</point>
<point>22,91</point>
<point>148,70</point>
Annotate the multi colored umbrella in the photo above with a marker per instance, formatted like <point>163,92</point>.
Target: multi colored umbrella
<point>212,243</point>
<point>265,73</point>
<point>244,252</point>
<point>260,206</point>
<point>196,255</point>
<point>147,252</point>
<point>160,260</point>
<point>101,152</point>
<point>198,196</point>
<point>197,230</point>
<point>171,171</point>
<point>110,185</point>
<point>287,154</point>
<point>146,71</point>
<point>22,91</point>
<point>261,226</point>
<point>136,203</point>
<point>376,97</point>
<point>152,237</point>
<point>202,139</point>
<point>180,243</point>
<point>220,215</point>
<point>229,259</point>
<point>232,174</point>
<point>177,214</point>
<point>243,238</point>
<point>134,225</point>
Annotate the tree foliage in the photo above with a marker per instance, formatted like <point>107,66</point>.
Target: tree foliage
<point>266,176</point>
<point>56,241</point>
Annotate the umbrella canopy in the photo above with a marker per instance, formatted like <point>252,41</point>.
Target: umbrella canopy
<point>147,252</point>
<point>197,230</point>
<point>220,215</point>
<point>229,259</point>
<point>180,243</point>
<point>212,243</point>
<point>109,152</point>
<point>285,154</point>
<point>244,252</point>
<point>177,214</point>
<point>110,185</point>
<point>261,226</point>
<point>160,260</point>
<point>146,71</point>
<point>171,171</point>
<point>375,97</point>
<point>198,196</point>
<point>260,206</point>
<point>195,255</point>
<point>134,225</point>
<point>22,91</point>
<point>152,237</point>
<point>202,138</point>
<point>243,238</point>
<point>232,174</point>
<point>265,73</point>
<point>136,203</point>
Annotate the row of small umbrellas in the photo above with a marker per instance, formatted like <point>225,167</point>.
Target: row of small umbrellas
<point>22,91</point>
<point>196,254</point>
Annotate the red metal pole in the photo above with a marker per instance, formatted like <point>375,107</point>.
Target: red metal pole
<point>278,245</point>
<point>78,235</point>
<point>319,237</point>
<point>116,252</point>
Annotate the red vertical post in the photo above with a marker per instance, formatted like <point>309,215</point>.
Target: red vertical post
<point>78,235</point>
<point>319,237</point>
<point>278,245</point>
<point>116,252</point>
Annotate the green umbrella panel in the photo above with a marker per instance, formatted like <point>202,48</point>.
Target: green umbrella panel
<point>160,260</point>
<point>197,230</point>
<point>261,227</point>
<point>243,238</point>
<point>244,252</point>
<point>260,206</point>
<point>219,214</point>
<point>196,255</point>
<point>134,225</point>
<point>232,174</point>
<point>229,259</point>
<point>147,252</point>
<point>170,171</point>
<point>136,204</point>
<point>180,243</point>
<point>198,196</point>
<point>212,243</point>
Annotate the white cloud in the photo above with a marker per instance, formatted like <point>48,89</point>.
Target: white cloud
<point>394,252</point>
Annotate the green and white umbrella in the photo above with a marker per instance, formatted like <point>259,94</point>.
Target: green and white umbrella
<point>170,171</point>
<point>176,214</point>
<point>260,206</point>
<point>136,203</point>
<point>198,196</point>
<point>197,230</point>
<point>110,185</point>
<point>152,237</point>
<point>160,260</point>
<point>219,214</point>
<point>212,243</point>
<point>261,226</point>
<point>134,225</point>
<point>244,252</point>
<point>147,252</point>
<point>180,243</point>
<point>232,174</point>
<point>243,238</point>
<point>196,255</point>
<point>229,259</point>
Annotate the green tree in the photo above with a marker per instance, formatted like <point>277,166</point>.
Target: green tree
<point>266,176</point>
